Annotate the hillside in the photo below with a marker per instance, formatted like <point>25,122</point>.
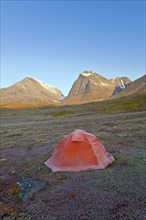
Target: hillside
<point>89,87</point>
<point>29,92</point>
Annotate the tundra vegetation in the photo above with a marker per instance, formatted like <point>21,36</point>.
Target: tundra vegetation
<point>29,190</point>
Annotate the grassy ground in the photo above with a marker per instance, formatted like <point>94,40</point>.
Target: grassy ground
<point>31,191</point>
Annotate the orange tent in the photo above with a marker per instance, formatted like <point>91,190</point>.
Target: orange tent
<point>79,151</point>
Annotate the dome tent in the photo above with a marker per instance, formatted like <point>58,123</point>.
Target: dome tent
<point>77,152</point>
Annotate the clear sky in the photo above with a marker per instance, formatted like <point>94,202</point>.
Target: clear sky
<point>54,41</point>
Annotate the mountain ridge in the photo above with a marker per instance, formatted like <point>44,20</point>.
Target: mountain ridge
<point>91,86</point>
<point>88,87</point>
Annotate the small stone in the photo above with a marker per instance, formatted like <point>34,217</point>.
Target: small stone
<point>13,171</point>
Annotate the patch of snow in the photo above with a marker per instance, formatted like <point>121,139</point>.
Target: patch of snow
<point>86,74</point>
<point>55,100</point>
<point>93,82</point>
<point>46,86</point>
<point>104,84</point>
<point>122,86</point>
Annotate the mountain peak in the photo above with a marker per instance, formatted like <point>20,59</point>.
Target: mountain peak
<point>28,78</point>
<point>45,85</point>
<point>30,91</point>
<point>89,87</point>
<point>87,73</point>
<point>120,80</point>
<point>120,83</point>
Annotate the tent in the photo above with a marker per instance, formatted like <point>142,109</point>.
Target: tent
<point>79,151</point>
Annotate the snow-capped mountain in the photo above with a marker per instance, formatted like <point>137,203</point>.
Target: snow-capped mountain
<point>120,83</point>
<point>135,87</point>
<point>89,87</point>
<point>30,92</point>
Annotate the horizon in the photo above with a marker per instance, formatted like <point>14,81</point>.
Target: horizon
<point>56,41</point>
<point>38,79</point>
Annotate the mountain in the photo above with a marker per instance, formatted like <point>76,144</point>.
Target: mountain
<point>29,92</point>
<point>137,86</point>
<point>89,87</point>
<point>120,83</point>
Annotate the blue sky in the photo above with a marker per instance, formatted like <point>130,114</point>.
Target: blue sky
<point>54,41</point>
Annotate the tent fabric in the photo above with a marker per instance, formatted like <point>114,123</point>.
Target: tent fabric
<point>77,152</point>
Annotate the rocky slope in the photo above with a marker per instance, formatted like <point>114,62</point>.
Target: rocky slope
<point>137,86</point>
<point>89,87</point>
<point>120,83</point>
<point>29,92</point>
